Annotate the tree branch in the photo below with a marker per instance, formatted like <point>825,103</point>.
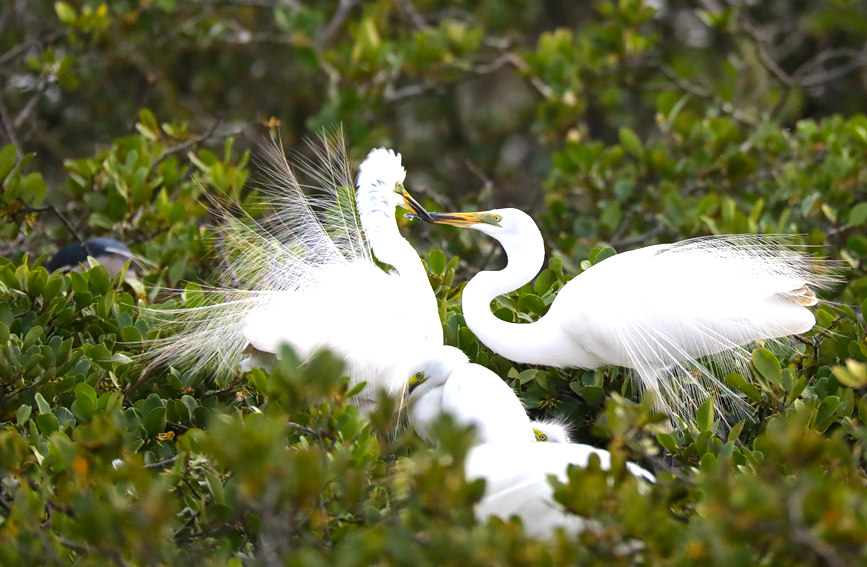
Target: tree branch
<point>327,34</point>
<point>9,128</point>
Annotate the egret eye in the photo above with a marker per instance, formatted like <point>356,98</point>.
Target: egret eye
<point>419,375</point>
<point>498,218</point>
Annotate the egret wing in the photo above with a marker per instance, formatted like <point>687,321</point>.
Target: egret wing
<point>661,308</point>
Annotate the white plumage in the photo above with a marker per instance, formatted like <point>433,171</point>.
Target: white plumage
<point>307,274</point>
<point>516,482</point>
<point>506,455</point>
<point>657,310</point>
<point>447,382</point>
<point>552,430</point>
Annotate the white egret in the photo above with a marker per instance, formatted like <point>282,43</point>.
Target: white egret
<point>656,310</point>
<point>505,453</point>
<point>307,275</point>
<point>447,382</point>
<point>516,482</point>
<point>551,430</point>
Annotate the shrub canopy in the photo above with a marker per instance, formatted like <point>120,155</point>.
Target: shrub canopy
<point>616,124</point>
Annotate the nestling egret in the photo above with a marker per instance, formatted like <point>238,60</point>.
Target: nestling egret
<point>516,482</point>
<point>656,310</point>
<point>551,430</point>
<point>307,275</point>
<point>446,382</point>
<point>505,453</point>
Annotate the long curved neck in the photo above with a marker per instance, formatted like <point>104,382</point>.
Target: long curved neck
<point>389,247</point>
<point>533,343</point>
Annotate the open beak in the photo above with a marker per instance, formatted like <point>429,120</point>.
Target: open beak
<point>463,219</point>
<point>414,206</point>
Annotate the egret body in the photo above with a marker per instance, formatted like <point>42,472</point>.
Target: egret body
<point>656,310</point>
<point>307,275</point>
<point>505,453</point>
<point>447,382</point>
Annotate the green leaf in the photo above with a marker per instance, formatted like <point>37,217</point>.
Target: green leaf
<point>854,374</point>
<point>437,261</point>
<point>47,423</point>
<point>738,382</point>
<point>858,214</point>
<point>23,414</point>
<point>735,432</point>
<point>667,441</point>
<point>100,280</point>
<point>215,486</point>
<point>827,413</point>
<point>147,125</point>
<point>544,281</point>
<point>767,365</point>
<point>594,395</point>
<point>704,417</point>
<point>155,422</point>
<point>65,12</point>
<point>602,254</point>
<point>630,141</point>
<point>8,158</point>
<point>85,400</point>
<point>32,336</point>
<point>131,335</point>
<point>41,404</point>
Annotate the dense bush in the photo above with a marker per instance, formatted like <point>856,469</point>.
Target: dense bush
<point>615,123</point>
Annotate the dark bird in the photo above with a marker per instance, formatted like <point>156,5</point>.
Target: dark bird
<point>108,252</point>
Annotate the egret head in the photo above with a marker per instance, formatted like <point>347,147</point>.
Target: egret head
<point>499,223</point>
<point>432,372</point>
<point>380,179</point>
<point>540,436</point>
<point>551,431</point>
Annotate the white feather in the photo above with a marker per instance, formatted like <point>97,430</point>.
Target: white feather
<point>516,482</point>
<point>660,310</point>
<point>305,274</point>
<point>471,394</point>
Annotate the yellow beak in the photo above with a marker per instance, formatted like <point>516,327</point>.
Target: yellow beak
<point>413,205</point>
<point>464,219</point>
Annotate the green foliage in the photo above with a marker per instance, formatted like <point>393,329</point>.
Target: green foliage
<point>614,125</point>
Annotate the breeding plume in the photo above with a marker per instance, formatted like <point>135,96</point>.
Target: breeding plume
<point>657,310</point>
<point>306,274</point>
<point>506,453</point>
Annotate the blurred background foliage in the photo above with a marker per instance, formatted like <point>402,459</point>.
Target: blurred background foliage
<point>615,123</point>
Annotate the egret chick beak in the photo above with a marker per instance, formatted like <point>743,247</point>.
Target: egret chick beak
<point>411,204</point>
<point>465,219</point>
<point>412,385</point>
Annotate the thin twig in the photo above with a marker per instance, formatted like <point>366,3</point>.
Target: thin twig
<point>162,464</point>
<point>24,113</point>
<point>640,239</point>
<point>75,546</point>
<point>9,128</point>
<point>24,47</point>
<point>188,144</point>
<point>66,223</point>
<point>541,86</point>
<point>701,92</point>
<point>412,14</point>
<point>305,429</point>
<point>327,34</point>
